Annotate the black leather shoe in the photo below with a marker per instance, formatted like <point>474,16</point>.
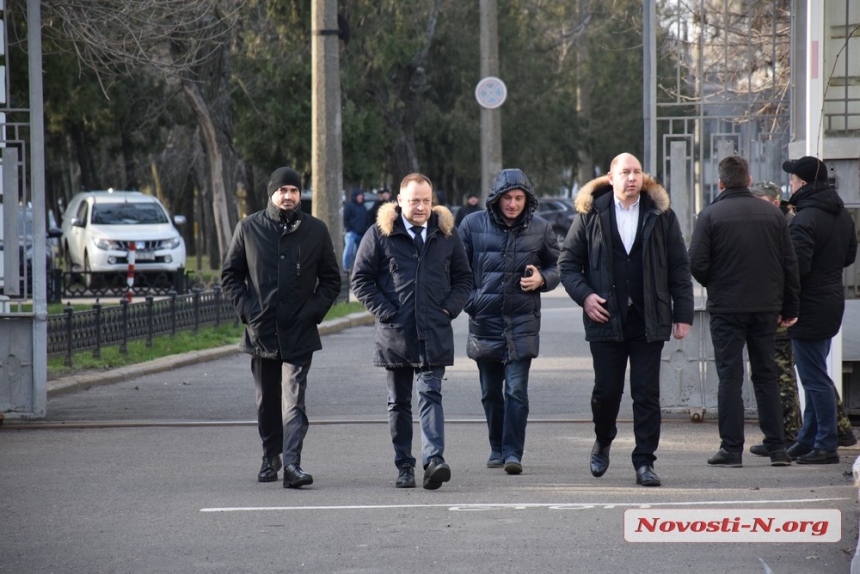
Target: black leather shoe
<point>819,456</point>
<point>759,450</point>
<point>406,478</point>
<point>779,458</point>
<point>726,458</point>
<point>646,476</point>
<point>436,473</point>
<point>846,439</point>
<point>269,470</point>
<point>295,477</point>
<point>797,450</point>
<point>599,459</point>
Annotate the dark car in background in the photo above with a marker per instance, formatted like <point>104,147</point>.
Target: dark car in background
<point>26,242</point>
<point>559,212</point>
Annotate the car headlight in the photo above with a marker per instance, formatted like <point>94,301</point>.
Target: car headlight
<point>107,244</point>
<point>172,243</point>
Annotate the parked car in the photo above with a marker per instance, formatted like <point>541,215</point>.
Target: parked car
<point>559,212</point>
<point>26,242</point>
<point>99,228</point>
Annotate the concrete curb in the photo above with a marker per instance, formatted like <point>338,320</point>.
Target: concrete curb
<point>83,381</point>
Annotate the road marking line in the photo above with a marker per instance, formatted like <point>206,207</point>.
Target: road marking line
<point>522,506</point>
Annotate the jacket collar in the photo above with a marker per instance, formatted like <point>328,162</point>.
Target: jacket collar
<point>276,215</point>
<point>584,201</point>
<point>389,214</point>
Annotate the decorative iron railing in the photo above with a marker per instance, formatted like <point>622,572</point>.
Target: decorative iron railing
<point>73,331</point>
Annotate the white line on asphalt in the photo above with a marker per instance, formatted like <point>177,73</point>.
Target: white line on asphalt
<point>522,506</point>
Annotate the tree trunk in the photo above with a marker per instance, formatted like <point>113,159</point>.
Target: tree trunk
<point>222,208</point>
<point>83,152</point>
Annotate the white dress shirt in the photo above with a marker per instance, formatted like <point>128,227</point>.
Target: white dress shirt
<point>627,220</point>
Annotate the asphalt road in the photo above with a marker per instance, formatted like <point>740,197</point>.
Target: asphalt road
<point>158,474</point>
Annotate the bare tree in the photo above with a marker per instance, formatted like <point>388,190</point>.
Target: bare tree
<point>181,41</point>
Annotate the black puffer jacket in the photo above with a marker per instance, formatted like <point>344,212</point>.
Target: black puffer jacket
<point>825,242</point>
<point>504,322</point>
<point>282,280</point>
<point>409,292</point>
<point>586,264</point>
<point>741,250</point>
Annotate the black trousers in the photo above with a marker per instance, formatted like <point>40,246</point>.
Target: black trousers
<point>729,333</point>
<point>610,365</point>
<point>281,418</point>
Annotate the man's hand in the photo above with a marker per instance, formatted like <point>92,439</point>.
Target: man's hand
<point>680,330</point>
<point>787,322</point>
<point>595,310</point>
<point>534,282</point>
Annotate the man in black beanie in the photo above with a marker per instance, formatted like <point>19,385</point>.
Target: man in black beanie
<point>281,274</point>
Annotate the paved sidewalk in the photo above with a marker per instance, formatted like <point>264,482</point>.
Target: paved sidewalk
<point>89,379</point>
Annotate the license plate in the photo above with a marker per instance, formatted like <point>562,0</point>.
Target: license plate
<point>144,256</point>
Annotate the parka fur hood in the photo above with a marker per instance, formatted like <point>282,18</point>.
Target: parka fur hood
<point>585,197</point>
<point>388,214</point>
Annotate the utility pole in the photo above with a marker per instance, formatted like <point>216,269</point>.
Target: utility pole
<point>326,152</point>
<point>491,119</point>
<point>649,87</point>
<point>585,170</point>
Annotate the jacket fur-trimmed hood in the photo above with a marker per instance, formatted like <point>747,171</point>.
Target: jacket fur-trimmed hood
<point>585,197</point>
<point>390,212</point>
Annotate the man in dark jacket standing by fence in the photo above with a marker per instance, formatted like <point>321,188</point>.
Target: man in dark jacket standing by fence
<point>741,252</point>
<point>354,225</point>
<point>625,263</point>
<point>281,273</point>
<point>514,257</point>
<point>411,272</point>
<point>825,242</point>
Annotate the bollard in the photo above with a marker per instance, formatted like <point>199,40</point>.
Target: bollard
<point>150,307</point>
<point>97,352</point>
<point>132,254</point>
<point>123,346</point>
<point>69,311</point>
<point>172,295</point>
<point>217,291</point>
<point>196,303</point>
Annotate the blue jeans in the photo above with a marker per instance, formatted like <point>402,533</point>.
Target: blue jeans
<point>505,396</point>
<point>431,417</point>
<point>350,246</point>
<point>819,415</point>
<point>281,418</point>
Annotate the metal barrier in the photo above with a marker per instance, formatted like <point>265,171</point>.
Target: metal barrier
<point>688,374</point>
<point>90,284</point>
<point>72,331</point>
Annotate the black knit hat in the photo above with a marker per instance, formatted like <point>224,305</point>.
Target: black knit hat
<point>284,176</point>
<point>807,168</point>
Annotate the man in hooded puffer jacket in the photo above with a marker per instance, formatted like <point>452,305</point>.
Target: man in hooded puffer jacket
<point>514,257</point>
<point>281,274</point>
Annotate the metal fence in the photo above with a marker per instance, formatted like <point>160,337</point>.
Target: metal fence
<point>72,330</point>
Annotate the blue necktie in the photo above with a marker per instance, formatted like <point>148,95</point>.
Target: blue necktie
<point>419,241</point>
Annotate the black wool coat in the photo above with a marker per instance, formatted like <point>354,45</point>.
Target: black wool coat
<point>408,292</point>
<point>282,280</point>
